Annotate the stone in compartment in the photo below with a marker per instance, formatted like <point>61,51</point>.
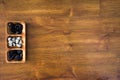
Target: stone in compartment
<point>15,55</point>
<point>15,28</point>
<point>14,41</point>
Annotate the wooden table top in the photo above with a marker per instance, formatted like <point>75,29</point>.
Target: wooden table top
<point>66,39</point>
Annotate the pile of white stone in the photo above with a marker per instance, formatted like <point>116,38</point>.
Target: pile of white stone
<point>14,41</point>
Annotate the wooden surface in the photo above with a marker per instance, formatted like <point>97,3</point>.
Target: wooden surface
<point>66,39</point>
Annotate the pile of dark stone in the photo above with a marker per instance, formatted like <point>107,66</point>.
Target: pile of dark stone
<point>15,28</point>
<point>15,55</point>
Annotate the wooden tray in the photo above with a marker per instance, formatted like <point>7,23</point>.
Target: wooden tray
<point>23,48</point>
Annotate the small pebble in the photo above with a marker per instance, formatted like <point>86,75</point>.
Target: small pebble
<point>20,42</point>
<point>9,38</point>
<point>13,39</point>
<point>19,51</point>
<point>10,44</point>
<point>14,44</point>
<point>17,40</point>
<point>18,57</point>
<point>12,27</point>
<point>19,28</point>
<point>18,45</point>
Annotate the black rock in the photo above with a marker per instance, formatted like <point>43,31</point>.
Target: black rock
<point>19,28</point>
<point>12,27</point>
<point>11,55</point>
<point>10,24</point>
<point>18,58</point>
<point>19,32</point>
<point>19,51</point>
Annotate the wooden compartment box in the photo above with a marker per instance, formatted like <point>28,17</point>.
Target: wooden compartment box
<point>15,53</point>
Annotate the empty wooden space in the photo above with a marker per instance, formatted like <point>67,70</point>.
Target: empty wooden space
<point>66,39</point>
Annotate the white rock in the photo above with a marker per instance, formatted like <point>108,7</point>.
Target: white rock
<point>13,44</point>
<point>20,42</point>
<point>13,39</point>
<point>18,45</point>
<point>9,38</point>
<point>10,44</point>
<point>17,41</point>
<point>18,38</point>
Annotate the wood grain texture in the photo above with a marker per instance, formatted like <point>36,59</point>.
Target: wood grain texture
<point>66,39</point>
